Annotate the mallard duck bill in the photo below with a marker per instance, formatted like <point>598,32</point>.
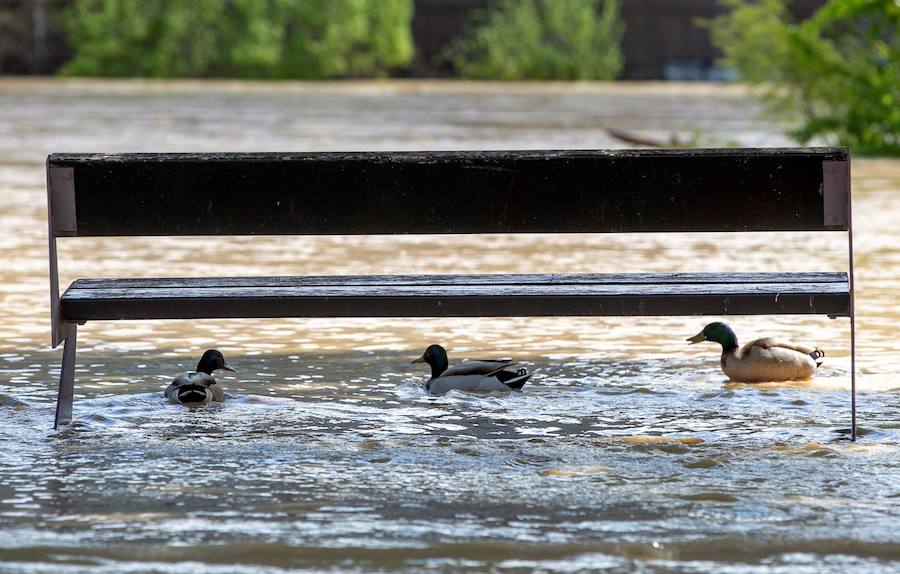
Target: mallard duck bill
<point>698,338</point>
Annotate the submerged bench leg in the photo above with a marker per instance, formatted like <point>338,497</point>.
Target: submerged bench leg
<point>853,378</point>
<point>66,378</point>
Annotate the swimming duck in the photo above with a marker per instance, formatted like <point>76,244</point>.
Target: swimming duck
<point>484,375</point>
<point>199,388</point>
<point>760,360</point>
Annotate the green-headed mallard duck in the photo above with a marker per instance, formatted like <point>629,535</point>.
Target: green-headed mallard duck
<point>199,388</point>
<point>481,376</point>
<point>760,360</point>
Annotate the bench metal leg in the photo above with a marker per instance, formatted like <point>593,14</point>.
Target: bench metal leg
<point>853,378</point>
<point>66,378</point>
<point>852,310</point>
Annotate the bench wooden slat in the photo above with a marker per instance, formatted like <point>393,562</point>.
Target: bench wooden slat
<point>454,296</point>
<point>442,192</point>
<point>489,279</point>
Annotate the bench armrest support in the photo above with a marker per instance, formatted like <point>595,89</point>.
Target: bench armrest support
<point>60,221</point>
<point>836,193</point>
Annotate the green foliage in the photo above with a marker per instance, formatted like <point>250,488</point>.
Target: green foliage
<point>344,38</point>
<point>839,70</point>
<point>239,38</point>
<point>542,40</point>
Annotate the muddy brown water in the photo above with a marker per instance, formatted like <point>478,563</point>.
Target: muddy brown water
<point>627,451</point>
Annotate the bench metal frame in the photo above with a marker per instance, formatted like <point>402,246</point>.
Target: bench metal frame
<point>439,192</point>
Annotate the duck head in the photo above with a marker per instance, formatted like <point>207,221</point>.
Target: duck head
<point>436,356</point>
<point>212,360</point>
<point>718,333</point>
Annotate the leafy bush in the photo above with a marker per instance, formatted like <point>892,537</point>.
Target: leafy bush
<point>838,71</point>
<point>239,38</point>
<point>542,40</point>
<point>344,38</point>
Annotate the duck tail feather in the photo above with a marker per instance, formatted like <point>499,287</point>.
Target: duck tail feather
<point>513,379</point>
<point>518,382</point>
<point>498,370</point>
<point>818,356</point>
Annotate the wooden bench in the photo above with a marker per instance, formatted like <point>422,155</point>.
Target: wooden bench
<point>445,192</point>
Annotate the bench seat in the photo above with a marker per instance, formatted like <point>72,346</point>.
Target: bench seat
<point>458,295</point>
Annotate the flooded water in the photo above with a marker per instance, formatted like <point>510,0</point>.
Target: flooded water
<point>627,450</point>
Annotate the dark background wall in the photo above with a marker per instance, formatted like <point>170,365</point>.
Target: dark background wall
<point>31,41</point>
<point>662,37</point>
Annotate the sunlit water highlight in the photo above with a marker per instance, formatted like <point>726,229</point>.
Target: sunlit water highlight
<point>627,451</point>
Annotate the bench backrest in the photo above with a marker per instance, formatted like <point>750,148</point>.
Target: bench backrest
<point>449,192</point>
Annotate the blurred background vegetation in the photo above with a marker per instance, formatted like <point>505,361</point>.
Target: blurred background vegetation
<point>830,67</point>
<point>542,40</point>
<point>838,71</point>
<point>307,39</point>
